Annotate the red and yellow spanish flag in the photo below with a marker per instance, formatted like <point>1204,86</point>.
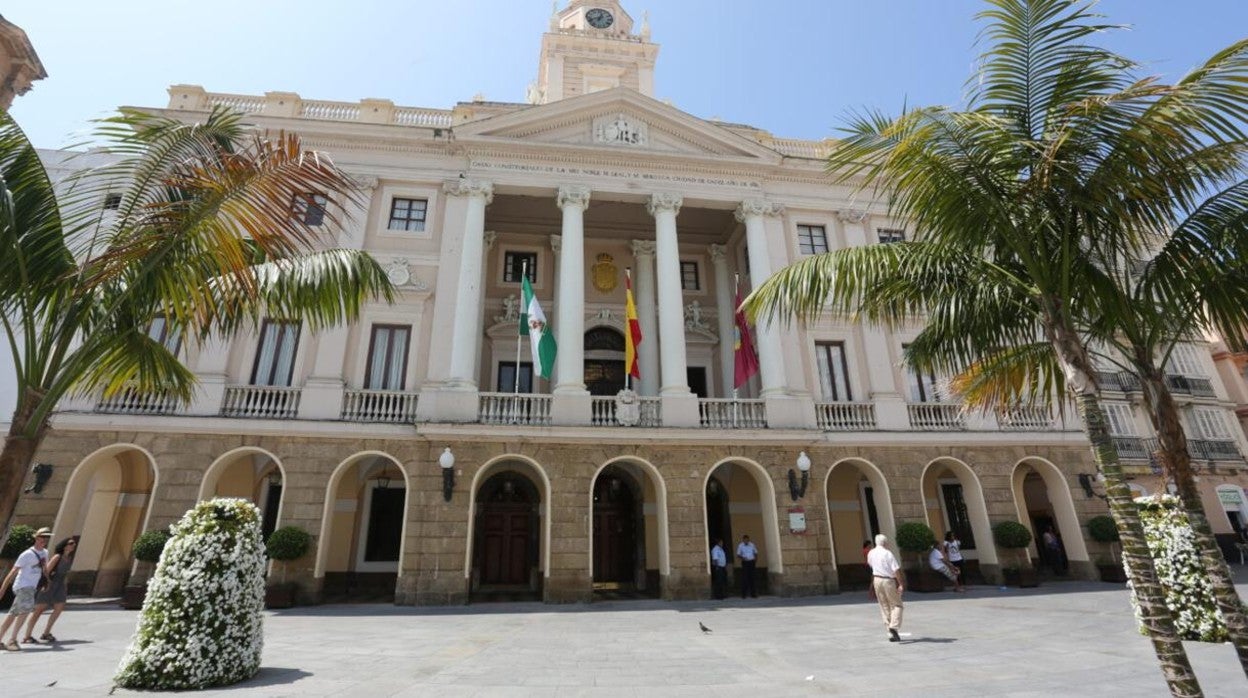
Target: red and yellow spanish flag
<point>633,336</point>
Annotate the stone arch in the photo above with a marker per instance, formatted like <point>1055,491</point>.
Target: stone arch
<point>767,510</point>
<point>850,552</point>
<point>254,485</point>
<point>1057,489</point>
<point>542,481</point>
<point>985,550</point>
<point>369,466</point>
<point>108,502</point>
<point>654,478</point>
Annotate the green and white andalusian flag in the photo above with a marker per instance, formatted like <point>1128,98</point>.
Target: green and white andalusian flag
<point>541,339</point>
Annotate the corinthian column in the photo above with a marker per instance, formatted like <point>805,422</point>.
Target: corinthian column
<point>648,351</point>
<point>570,330</point>
<point>466,331</point>
<point>674,378</point>
<point>752,212</point>
<point>725,309</point>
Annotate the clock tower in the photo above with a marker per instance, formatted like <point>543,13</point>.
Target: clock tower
<point>590,47</point>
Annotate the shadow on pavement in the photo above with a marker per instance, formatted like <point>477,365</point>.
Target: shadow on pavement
<point>269,676</point>
<point>938,640</point>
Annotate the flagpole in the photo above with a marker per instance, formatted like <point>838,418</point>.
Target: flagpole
<point>736,294</point>
<point>515,397</point>
<point>628,274</point>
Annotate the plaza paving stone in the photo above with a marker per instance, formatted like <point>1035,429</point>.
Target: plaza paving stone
<point>1062,639</point>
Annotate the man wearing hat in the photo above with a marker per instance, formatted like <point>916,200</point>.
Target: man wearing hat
<point>25,575</point>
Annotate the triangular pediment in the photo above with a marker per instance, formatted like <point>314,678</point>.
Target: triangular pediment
<point>617,119</point>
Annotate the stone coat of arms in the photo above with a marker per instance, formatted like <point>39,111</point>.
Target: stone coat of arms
<point>627,408</point>
<point>605,274</point>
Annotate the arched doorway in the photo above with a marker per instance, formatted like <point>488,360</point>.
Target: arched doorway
<point>363,529</point>
<point>859,507</point>
<point>619,533</point>
<point>248,473</point>
<point>604,361</point>
<point>954,501</point>
<point>107,502</point>
<point>1043,501</point>
<point>740,501</point>
<point>506,561</point>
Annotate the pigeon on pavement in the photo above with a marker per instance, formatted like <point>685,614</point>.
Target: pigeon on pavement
<point>704,628</point>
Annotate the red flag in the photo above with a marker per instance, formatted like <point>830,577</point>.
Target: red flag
<point>632,338</point>
<point>744,357</point>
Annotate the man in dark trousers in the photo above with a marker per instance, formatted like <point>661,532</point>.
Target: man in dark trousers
<point>719,569</point>
<point>749,558</point>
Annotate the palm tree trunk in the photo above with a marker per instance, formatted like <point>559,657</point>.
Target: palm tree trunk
<point>1154,615</point>
<point>1179,462</point>
<point>15,459</point>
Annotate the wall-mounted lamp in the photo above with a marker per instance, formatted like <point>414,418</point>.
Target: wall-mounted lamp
<point>1089,483</point>
<point>447,461</point>
<point>383,480</point>
<point>275,478</point>
<point>43,473</point>
<point>803,464</point>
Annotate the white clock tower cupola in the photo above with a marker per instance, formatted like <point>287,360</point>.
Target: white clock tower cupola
<point>590,47</point>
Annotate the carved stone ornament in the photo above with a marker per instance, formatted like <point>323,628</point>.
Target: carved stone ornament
<point>719,253</point>
<point>849,215</point>
<point>573,195</point>
<point>627,408</point>
<point>693,316</point>
<point>365,183</point>
<point>399,272</point>
<point>511,310</point>
<point>757,207</point>
<point>642,248</point>
<point>470,187</point>
<point>664,201</point>
<point>489,239</point>
<point>605,274</point>
<point>556,243</point>
<point>620,129</point>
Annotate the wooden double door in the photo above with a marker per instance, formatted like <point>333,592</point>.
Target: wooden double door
<point>507,533</point>
<point>617,530</point>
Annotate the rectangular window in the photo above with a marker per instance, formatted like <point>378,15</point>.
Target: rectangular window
<point>1121,419</point>
<point>514,264</point>
<point>1208,424</point>
<point>812,239</point>
<point>833,371</point>
<point>507,377</point>
<point>112,202</point>
<point>887,235</point>
<point>408,214</point>
<point>309,208</point>
<point>689,276</point>
<point>275,357</point>
<point>1183,361</point>
<point>163,331</point>
<point>923,386</point>
<point>387,357</point>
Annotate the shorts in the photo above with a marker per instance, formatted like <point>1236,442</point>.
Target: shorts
<point>948,572</point>
<point>23,601</point>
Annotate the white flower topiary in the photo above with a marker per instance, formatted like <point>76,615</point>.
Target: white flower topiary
<point>1189,592</point>
<point>201,624</point>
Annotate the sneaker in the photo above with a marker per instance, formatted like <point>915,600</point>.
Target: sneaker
<point>47,637</point>
<point>893,635</point>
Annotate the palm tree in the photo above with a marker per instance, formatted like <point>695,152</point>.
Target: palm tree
<point>203,237</point>
<point>1060,155</point>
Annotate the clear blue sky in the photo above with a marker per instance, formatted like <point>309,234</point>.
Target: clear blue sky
<point>793,67</point>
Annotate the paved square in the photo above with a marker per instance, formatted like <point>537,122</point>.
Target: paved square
<point>1062,639</point>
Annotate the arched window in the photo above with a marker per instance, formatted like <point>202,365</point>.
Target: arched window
<point>604,339</point>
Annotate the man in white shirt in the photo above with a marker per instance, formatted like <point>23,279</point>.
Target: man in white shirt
<point>719,569</point>
<point>27,570</point>
<point>888,581</point>
<point>749,558</point>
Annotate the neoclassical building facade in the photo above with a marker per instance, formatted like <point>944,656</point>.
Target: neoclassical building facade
<point>432,465</point>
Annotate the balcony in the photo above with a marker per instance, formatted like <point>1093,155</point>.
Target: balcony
<point>603,412</point>
<point>261,402</point>
<point>1134,447</point>
<point>716,413</point>
<point>1214,450</point>
<point>133,402</point>
<point>935,416</point>
<point>845,416</point>
<point>387,406</point>
<point>1190,385</point>
<point>1025,418</point>
<point>514,408</point>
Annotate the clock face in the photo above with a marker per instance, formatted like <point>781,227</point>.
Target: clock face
<point>599,18</point>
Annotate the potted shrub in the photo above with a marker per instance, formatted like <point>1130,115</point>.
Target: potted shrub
<point>20,538</point>
<point>1104,530</point>
<point>915,540</point>
<point>147,549</point>
<point>1012,535</point>
<point>285,544</point>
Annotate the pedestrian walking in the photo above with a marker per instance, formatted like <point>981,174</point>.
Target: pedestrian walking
<point>719,569</point>
<point>28,570</point>
<point>59,567</point>
<point>953,553</point>
<point>888,581</point>
<point>748,553</point>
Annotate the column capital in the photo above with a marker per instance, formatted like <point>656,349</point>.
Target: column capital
<point>573,195</point>
<point>556,243</point>
<point>642,248</point>
<point>470,187</point>
<point>365,183</point>
<point>757,207</point>
<point>849,215</point>
<point>489,238</point>
<point>664,201</point>
<point>719,254</point>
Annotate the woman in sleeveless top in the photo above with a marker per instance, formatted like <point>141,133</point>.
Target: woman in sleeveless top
<point>55,595</point>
